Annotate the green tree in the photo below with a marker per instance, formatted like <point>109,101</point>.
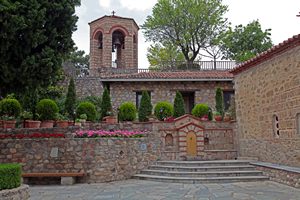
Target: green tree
<point>163,56</point>
<point>70,99</point>
<point>35,37</point>
<point>105,104</point>
<point>188,24</point>
<point>178,105</point>
<point>145,108</point>
<point>219,101</point>
<point>244,42</point>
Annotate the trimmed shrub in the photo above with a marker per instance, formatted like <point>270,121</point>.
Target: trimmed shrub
<point>200,110</point>
<point>70,99</point>
<point>86,108</point>
<point>10,107</point>
<point>10,176</point>
<point>145,108</point>
<point>163,110</point>
<point>105,104</point>
<point>96,100</point>
<point>219,101</point>
<point>178,105</point>
<point>47,109</point>
<point>127,112</point>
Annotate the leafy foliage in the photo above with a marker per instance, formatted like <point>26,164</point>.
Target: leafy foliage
<point>106,103</point>
<point>96,100</point>
<point>244,42</point>
<point>10,107</point>
<point>47,109</point>
<point>145,108</point>
<point>200,110</point>
<point>70,99</point>
<point>35,37</point>
<point>163,110</point>
<point>163,56</point>
<point>190,25</point>
<point>219,101</point>
<point>127,112</point>
<point>178,105</point>
<point>77,61</point>
<point>10,176</point>
<point>86,108</point>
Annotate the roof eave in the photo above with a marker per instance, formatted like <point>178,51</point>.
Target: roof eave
<point>164,80</point>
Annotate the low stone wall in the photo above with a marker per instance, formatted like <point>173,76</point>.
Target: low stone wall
<point>281,174</point>
<point>20,193</point>
<point>102,159</point>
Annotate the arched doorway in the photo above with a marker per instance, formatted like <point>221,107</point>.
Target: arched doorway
<point>191,144</point>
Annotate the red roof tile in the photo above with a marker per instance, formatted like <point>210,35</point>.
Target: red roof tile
<point>266,55</point>
<point>165,76</point>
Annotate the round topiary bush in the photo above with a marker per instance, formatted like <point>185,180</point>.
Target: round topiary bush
<point>10,107</point>
<point>200,110</point>
<point>127,112</point>
<point>47,109</point>
<point>163,110</point>
<point>10,176</point>
<point>87,108</point>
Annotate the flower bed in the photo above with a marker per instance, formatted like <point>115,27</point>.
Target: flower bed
<point>103,133</point>
<point>32,135</point>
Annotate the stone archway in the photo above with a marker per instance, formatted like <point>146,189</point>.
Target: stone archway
<point>191,144</point>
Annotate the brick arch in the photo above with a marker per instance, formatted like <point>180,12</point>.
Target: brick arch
<point>119,28</point>
<point>96,33</point>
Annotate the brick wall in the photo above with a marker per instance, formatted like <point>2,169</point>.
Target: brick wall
<point>271,88</point>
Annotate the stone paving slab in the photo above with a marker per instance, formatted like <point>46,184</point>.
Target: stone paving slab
<point>149,190</point>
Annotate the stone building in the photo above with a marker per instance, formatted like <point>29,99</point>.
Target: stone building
<point>114,61</point>
<point>267,94</point>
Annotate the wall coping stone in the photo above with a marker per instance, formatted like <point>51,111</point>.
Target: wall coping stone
<point>277,166</point>
<point>220,150</point>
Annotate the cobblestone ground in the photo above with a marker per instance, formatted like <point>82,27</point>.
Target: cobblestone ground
<point>148,190</point>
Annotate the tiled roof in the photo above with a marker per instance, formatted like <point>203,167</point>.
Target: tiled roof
<point>115,16</point>
<point>270,53</point>
<point>165,76</point>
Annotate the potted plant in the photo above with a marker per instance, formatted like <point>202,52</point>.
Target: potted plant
<point>110,118</point>
<point>201,111</point>
<point>217,116</point>
<point>47,110</point>
<point>10,110</point>
<point>227,117</point>
<point>62,121</point>
<point>28,121</point>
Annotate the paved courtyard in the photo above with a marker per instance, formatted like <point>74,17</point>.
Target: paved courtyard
<point>148,190</point>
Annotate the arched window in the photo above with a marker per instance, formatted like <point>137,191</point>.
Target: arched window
<point>100,41</point>
<point>169,140</point>
<point>276,126</point>
<point>298,123</point>
<point>134,38</point>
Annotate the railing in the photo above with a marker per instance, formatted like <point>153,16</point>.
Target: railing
<point>117,68</point>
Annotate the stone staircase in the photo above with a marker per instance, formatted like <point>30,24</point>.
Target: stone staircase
<point>217,171</point>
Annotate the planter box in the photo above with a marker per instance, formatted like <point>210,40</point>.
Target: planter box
<point>62,124</point>
<point>9,124</point>
<point>32,124</point>
<point>47,124</point>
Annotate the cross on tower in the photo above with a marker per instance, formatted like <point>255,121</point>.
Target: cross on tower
<point>113,13</point>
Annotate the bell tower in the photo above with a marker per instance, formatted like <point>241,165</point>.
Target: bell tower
<point>113,43</point>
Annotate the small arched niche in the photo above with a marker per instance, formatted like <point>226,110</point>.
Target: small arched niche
<point>169,140</point>
<point>99,37</point>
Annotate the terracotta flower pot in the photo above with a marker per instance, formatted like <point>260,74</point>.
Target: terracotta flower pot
<point>111,120</point>
<point>70,123</point>
<point>62,123</point>
<point>32,124</point>
<point>227,118</point>
<point>8,124</point>
<point>47,124</point>
<point>218,118</point>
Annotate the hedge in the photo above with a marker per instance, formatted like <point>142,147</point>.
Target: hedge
<point>10,176</point>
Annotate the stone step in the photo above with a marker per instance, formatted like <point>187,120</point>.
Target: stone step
<point>192,180</point>
<point>202,168</point>
<point>204,163</point>
<point>201,174</point>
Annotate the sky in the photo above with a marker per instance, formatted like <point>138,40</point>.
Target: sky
<point>278,15</point>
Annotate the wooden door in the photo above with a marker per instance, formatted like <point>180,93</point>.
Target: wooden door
<point>191,144</point>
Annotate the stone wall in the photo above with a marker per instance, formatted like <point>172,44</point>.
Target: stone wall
<point>19,193</point>
<point>270,89</point>
<point>166,91</point>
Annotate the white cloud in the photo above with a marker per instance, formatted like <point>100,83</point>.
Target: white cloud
<point>138,5</point>
<point>104,3</point>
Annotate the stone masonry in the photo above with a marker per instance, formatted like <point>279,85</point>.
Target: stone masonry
<point>267,90</point>
<point>166,91</point>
